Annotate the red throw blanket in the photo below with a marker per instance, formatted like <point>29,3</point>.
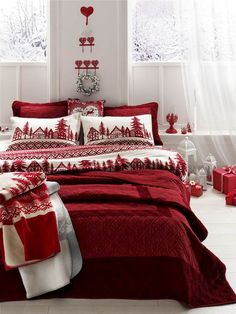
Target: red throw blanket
<point>28,227</point>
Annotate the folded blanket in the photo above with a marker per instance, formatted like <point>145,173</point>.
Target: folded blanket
<point>28,227</point>
<point>15,183</point>
<point>56,272</point>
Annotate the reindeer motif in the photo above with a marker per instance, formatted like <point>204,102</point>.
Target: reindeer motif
<point>90,111</point>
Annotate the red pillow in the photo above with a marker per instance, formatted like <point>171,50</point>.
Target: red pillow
<point>86,108</point>
<point>40,110</point>
<point>124,111</point>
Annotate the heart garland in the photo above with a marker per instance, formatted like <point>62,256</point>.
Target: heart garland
<point>87,11</point>
<point>87,65</point>
<point>86,41</point>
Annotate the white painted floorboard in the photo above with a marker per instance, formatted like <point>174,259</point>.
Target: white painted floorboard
<point>220,221</point>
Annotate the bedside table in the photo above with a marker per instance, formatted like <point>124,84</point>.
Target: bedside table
<point>172,140</point>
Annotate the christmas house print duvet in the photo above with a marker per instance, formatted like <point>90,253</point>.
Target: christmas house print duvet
<point>119,130</point>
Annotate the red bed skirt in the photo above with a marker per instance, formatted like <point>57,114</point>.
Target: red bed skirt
<point>122,278</point>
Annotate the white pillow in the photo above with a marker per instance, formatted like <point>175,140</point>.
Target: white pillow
<point>34,133</point>
<point>135,130</point>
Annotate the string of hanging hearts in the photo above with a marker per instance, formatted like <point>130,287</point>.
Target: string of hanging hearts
<point>86,42</point>
<point>86,65</point>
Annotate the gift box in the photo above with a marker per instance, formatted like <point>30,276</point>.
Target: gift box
<point>196,190</point>
<point>224,179</point>
<point>231,198</point>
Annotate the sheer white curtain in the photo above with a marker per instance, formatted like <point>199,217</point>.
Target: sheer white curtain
<point>207,31</point>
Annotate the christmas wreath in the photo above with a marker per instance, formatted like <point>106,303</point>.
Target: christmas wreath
<point>87,84</point>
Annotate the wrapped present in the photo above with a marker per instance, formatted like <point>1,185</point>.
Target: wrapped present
<point>224,179</point>
<point>196,189</point>
<point>231,198</point>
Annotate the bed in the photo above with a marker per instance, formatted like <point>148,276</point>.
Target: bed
<point>138,236</point>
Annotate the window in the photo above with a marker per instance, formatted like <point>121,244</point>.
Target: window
<point>23,28</point>
<point>154,31</point>
<point>162,29</point>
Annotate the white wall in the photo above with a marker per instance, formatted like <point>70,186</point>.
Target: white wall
<point>108,25</point>
<point>161,82</point>
<point>21,81</point>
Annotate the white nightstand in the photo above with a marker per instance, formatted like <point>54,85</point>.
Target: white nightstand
<point>172,140</point>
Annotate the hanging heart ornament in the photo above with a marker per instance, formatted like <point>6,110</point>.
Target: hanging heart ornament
<point>82,40</point>
<point>95,63</point>
<point>86,11</point>
<point>87,63</point>
<point>90,40</point>
<point>78,63</point>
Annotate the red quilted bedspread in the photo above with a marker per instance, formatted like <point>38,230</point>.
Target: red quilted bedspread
<point>138,238</point>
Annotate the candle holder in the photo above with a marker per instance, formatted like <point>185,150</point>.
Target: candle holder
<point>171,118</point>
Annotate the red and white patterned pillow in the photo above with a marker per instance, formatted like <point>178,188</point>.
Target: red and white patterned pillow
<point>135,130</point>
<point>31,133</point>
<point>86,108</point>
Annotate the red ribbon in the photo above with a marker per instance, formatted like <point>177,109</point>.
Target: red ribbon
<point>229,170</point>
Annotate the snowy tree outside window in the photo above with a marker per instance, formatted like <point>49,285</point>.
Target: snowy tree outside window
<point>23,30</point>
<point>162,30</point>
<point>154,31</point>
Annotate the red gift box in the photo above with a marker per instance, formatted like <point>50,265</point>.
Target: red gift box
<point>231,198</point>
<point>224,179</point>
<point>196,190</point>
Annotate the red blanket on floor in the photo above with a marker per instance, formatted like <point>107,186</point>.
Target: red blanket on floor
<point>139,239</point>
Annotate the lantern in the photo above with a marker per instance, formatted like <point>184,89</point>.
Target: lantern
<point>188,150</point>
<point>202,178</point>
<point>209,165</point>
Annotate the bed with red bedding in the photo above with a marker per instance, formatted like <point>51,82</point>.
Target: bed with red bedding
<point>138,237</point>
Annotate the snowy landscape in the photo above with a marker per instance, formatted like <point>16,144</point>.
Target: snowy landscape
<point>23,30</point>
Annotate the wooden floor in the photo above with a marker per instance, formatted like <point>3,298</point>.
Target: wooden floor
<point>221,223</point>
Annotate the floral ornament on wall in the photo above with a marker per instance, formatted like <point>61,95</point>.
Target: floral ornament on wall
<point>87,84</point>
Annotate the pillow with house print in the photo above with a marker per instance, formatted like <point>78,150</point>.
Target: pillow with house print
<point>136,130</point>
<point>32,133</point>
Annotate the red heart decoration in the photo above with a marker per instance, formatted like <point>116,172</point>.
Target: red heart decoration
<point>82,40</point>
<point>86,11</point>
<point>78,63</point>
<point>87,63</point>
<point>95,63</point>
<point>90,40</point>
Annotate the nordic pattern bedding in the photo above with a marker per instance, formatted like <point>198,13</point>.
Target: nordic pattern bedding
<point>138,236</point>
